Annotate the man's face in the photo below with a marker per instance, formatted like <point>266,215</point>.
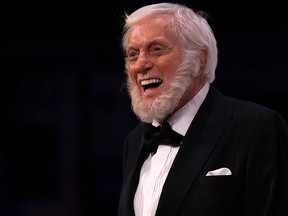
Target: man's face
<point>153,57</point>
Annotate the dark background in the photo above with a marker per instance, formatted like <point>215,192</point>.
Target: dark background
<point>64,112</point>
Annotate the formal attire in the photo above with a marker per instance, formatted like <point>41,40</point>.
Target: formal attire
<point>232,161</point>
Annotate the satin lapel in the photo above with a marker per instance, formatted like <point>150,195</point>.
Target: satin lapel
<point>129,189</point>
<point>199,142</point>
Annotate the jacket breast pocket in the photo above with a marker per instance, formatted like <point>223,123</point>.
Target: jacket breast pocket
<point>214,195</point>
<point>218,192</point>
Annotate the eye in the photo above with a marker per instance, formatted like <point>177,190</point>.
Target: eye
<point>157,48</point>
<point>132,55</point>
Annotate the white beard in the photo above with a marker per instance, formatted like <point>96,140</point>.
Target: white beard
<point>163,106</point>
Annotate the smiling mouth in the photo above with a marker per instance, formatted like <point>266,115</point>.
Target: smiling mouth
<point>150,83</point>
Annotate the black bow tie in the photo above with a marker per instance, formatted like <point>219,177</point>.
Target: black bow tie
<point>161,135</point>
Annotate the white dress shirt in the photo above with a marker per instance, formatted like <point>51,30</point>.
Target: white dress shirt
<point>156,167</point>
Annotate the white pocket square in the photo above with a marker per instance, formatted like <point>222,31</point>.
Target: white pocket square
<point>219,172</point>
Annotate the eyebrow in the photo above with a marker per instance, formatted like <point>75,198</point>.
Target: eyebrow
<point>157,41</point>
<point>150,43</point>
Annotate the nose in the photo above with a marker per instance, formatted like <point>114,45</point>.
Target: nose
<point>143,63</point>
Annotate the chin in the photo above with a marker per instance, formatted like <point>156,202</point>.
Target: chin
<point>159,109</point>
<point>142,110</point>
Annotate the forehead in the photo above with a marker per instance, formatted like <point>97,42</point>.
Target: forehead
<point>151,27</point>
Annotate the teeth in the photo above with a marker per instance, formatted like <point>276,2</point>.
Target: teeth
<point>150,81</point>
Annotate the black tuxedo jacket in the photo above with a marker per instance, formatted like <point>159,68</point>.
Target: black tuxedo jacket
<point>247,138</point>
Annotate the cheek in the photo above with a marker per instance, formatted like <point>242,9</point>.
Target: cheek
<point>170,71</point>
<point>129,71</point>
<point>132,77</point>
<point>171,64</point>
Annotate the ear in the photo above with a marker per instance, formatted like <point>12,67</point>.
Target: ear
<point>203,58</point>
